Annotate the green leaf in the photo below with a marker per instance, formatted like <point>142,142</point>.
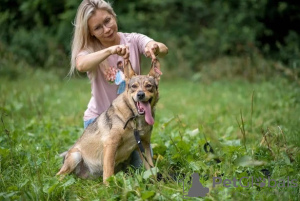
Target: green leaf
<point>197,166</point>
<point>247,161</point>
<point>193,133</point>
<point>168,122</point>
<point>21,185</point>
<point>147,194</point>
<point>286,158</point>
<point>182,145</point>
<point>69,182</point>
<point>147,174</point>
<point>4,152</point>
<point>235,143</point>
<point>50,187</point>
<point>159,148</point>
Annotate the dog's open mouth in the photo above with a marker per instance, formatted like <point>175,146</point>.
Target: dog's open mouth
<point>144,108</point>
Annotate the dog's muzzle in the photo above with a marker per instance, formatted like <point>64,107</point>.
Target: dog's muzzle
<point>144,107</point>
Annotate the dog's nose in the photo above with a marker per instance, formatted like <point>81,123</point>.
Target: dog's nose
<point>141,95</point>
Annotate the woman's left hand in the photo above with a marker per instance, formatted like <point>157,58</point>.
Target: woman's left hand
<point>154,49</point>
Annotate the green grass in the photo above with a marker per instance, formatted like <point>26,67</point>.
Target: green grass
<point>251,126</point>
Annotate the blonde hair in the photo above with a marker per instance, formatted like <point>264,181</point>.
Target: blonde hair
<point>82,39</point>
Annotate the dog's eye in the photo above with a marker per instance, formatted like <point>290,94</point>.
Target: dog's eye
<point>134,86</point>
<point>148,85</point>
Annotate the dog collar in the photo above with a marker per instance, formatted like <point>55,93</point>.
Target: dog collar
<point>131,118</point>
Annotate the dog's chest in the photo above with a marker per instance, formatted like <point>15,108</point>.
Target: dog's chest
<point>128,142</point>
<point>128,138</point>
<point>126,146</point>
<point>143,128</point>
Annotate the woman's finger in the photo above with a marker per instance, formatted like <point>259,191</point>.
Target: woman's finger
<point>155,49</point>
<point>119,49</point>
<point>123,51</point>
<point>126,56</point>
<point>151,54</point>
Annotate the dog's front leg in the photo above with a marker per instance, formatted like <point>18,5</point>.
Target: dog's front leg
<point>148,154</point>
<point>109,153</point>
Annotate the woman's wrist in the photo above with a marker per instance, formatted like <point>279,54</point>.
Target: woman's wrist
<point>110,50</point>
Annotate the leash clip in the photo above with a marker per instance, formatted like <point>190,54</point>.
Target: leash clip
<point>138,140</point>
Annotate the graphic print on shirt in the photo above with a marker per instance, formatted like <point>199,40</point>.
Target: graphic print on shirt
<point>120,78</point>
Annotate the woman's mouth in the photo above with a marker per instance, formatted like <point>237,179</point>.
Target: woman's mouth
<point>110,35</point>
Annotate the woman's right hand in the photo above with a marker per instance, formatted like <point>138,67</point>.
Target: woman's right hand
<point>121,50</point>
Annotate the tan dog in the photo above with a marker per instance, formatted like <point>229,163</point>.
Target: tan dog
<point>110,139</point>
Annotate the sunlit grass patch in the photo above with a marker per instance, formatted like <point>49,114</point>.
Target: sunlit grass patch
<point>250,126</point>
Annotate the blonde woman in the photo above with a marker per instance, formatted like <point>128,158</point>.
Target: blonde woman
<point>98,46</point>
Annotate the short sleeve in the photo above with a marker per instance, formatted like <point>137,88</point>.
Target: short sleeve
<point>143,40</point>
<point>82,52</point>
<point>140,40</point>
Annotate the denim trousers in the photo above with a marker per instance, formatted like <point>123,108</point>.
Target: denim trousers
<point>135,159</point>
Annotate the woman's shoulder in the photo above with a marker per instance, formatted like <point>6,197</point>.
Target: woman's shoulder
<point>136,40</point>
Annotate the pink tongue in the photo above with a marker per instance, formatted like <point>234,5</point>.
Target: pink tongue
<point>148,114</point>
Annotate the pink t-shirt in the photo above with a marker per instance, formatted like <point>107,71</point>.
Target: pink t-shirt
<point>103,92</point>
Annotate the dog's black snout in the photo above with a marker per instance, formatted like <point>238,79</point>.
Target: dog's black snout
<point>140,95</point>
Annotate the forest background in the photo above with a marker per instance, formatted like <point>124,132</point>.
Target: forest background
<point>38,33</point>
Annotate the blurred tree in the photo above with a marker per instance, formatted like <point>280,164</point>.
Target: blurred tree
<point>280,37</point>
<point>195,31</point>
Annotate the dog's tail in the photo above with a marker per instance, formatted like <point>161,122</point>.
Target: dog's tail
<point>71,159</point>
<point>63,154</point>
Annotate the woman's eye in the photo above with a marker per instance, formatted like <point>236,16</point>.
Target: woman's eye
<point>107,20</point>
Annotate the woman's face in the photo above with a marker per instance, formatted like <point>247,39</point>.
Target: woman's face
<point>103,26</point>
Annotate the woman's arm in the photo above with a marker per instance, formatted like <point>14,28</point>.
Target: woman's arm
<point>90,61</point>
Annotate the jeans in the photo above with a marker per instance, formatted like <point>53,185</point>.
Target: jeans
<point>135,159</point>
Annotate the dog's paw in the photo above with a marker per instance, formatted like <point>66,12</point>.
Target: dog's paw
<point>60,176</point>
<point>108,181</point>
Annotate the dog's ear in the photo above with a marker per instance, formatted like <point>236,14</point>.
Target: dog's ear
<point>155,71</point>
<point>128,70</point>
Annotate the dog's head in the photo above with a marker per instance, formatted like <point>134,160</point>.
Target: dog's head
<point>143,89</point>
